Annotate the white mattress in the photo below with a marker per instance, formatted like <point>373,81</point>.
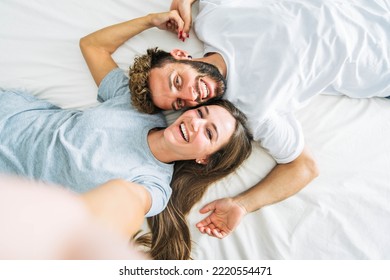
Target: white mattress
<point>342,214</point>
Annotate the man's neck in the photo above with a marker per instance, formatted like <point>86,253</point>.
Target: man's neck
<point>217,60</point>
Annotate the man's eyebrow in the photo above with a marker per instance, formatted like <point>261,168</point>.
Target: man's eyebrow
<point>213,124</point>
<point>170,78</point>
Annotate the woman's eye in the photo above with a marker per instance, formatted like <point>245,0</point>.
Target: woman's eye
<point>209,134</point>
<point>179,103</point>
<point>200,113</point>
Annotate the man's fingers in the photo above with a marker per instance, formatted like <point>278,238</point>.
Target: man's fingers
<point>207,208</point>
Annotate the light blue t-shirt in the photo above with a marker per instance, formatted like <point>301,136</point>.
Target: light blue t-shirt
<point>82,149</point>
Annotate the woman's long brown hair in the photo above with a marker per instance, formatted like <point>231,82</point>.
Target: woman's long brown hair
<point>169,236</point>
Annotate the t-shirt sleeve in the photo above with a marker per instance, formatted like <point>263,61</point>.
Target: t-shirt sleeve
<point>114,84</point>
<point>159,189</point>
<point>281,135</point>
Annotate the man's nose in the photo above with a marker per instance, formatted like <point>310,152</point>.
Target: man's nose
<point>190,94</point>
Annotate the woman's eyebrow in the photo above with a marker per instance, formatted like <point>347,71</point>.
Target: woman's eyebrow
<point>212,123</point>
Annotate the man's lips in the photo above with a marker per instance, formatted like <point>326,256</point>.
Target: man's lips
<point>204,90</point>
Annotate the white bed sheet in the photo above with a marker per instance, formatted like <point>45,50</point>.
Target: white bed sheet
<point>342,214</point>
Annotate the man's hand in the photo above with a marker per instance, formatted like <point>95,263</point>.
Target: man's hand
<point>225,217</point>
<point>184,9</point>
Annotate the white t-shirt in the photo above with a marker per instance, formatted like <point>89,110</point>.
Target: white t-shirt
<point>280,53</point>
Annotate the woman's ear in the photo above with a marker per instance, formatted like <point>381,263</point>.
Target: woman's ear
<point>180,54</point>
<point>202,161</point>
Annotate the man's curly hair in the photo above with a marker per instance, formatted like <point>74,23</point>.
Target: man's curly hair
<point>141,97</point>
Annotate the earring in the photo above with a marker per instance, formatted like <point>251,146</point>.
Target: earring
<point>198,162</point>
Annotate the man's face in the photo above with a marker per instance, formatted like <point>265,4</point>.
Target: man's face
<point>177,85</point>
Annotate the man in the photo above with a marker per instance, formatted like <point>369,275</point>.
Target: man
<point>171,75</point>
<point>275,56</point>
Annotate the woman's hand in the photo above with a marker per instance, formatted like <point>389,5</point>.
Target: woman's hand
<point>170,21</point>
<point>184,9</point>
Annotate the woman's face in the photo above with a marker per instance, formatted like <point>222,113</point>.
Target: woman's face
<point>200,132</point>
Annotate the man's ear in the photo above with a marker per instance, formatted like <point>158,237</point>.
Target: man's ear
<point>202,161</point>
<point>180,54</point>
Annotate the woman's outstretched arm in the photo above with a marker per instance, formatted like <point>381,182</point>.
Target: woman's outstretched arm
<point>120,205</point>
<point>45,222</point>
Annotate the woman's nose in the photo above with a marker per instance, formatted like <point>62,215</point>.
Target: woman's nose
<point>197,123</point>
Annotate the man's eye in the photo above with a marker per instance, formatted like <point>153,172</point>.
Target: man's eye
<point>177,81</point>
<point>200,113</point>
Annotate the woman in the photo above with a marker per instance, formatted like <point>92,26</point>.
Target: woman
<point>84,149</point>
<point>170,238</point>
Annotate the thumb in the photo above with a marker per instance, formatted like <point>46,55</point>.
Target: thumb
<point>207,208</point>
<point>187,24</point>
